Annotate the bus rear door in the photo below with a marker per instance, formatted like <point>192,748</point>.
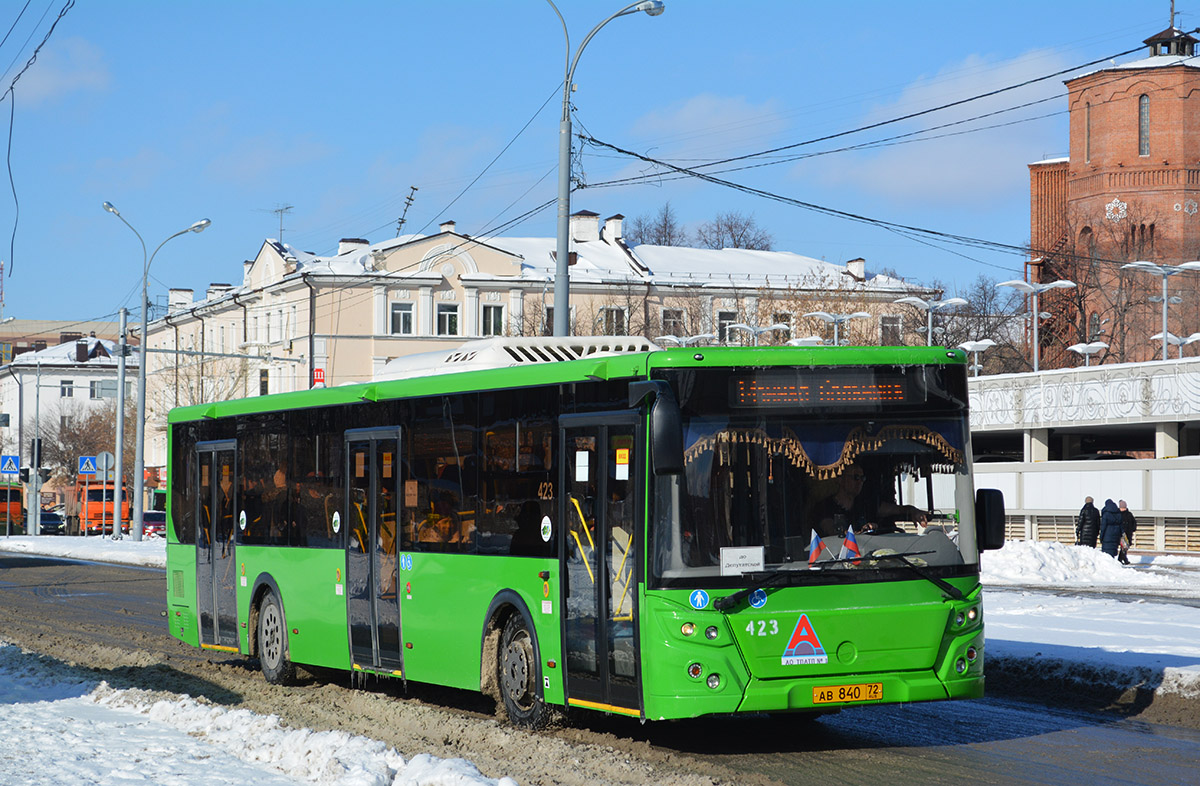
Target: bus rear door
<point>216,567</point>
<point>601,460</point>
<point>371,515</point>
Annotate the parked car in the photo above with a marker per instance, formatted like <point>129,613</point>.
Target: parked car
<point>154,523</point>
<point>53,524</point>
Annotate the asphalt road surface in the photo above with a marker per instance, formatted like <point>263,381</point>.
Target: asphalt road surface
<point>111,618</point>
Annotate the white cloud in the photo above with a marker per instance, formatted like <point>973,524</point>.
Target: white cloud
<point>710,126</point>
<point>975,168</point>
<point>63,67</point>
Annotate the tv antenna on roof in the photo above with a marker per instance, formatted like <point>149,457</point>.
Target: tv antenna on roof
<point>408,201</point>
<point>281,211</point>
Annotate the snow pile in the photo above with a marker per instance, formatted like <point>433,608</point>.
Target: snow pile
<point>1038,564</point>
<point>62,726</point>
<point>149,552</point>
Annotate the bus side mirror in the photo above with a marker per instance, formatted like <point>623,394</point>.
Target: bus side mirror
<point>989,519</point>
<point>666,425</point>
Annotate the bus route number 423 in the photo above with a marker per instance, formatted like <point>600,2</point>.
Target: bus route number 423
<point>870,691</point>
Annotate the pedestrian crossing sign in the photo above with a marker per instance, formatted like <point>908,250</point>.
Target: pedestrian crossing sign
<point>87,465</point>
<point>9,465</point>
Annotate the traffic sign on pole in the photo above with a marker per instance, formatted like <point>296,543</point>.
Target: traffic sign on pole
<point>87,465</point>
<point>9,465</point>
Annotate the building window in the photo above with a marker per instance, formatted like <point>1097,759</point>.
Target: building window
<point>65,422</point>
<point>5,353</point>
<point>672,322</point>
<point>66,388</point>
<point>264,377</point>
<point>402,319</point>
<point>548,325</point>
<point>103,388</point>
<point>724,320</point>
<point>612,321</point>
<point>889,331</point>
<point>493,321</point>
<point>447,319</point>
<point>1144,125</point>
<point>1087,132</point>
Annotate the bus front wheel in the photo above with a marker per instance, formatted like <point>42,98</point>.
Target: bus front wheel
<point>520,677</point>
<point>272,643</point>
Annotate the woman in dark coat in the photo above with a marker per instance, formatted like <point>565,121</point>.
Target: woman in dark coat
<point>1110,528</point>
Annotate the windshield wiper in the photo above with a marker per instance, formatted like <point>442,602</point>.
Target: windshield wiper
<point>776,577</point>
<point>942,584</point>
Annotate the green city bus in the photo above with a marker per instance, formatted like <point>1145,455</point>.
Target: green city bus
<point>598,523</point>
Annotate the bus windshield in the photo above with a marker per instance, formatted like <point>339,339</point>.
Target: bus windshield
<point>782,463</point>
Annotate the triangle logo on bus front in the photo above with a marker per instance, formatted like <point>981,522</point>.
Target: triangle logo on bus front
<point>804,647</point>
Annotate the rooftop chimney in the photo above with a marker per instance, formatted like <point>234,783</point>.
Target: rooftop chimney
<point>857,268</point>
<point>446,226</point>
<point>217,290</point>
<point>612,228</point>
<point>585,226</point>
<point>350,243</point>
<point>178,299</point>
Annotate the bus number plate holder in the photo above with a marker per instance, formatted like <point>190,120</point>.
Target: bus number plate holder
<point>867,691</point>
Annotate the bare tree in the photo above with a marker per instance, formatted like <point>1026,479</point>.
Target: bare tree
<point>71,430</point>
<point>661,229</point>
<point>733,230</point>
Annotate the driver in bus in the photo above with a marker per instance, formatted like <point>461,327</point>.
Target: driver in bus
<point>849,506</point>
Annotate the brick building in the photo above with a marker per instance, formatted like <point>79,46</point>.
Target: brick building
<point>1128,191</point>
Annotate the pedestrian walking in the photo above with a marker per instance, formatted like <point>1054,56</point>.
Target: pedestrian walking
<point>1128,527</point>
<point>1087,524</point>
<point>1110,528</point>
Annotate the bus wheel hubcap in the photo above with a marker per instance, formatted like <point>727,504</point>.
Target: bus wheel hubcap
<point>516,671</point>
<point>271,635</point>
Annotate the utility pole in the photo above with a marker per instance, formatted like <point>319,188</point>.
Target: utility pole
<point>119,485</point>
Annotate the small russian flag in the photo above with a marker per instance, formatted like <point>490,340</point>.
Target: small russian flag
<point>814,548</point>
<point>850,547</point>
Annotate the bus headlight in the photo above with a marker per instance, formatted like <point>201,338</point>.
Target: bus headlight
<point>710,632</point>
<point>714,681</point>
<point>687,629</point>
<point>694,671</point>
<point>973,613</point>
<point>960,665</point>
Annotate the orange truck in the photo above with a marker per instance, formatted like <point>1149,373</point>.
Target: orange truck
<point>90,509</point>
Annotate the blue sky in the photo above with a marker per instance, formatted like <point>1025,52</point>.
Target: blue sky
<point>176,111</point>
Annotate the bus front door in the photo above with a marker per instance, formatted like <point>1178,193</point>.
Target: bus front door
<point>372,544</point>
<point>216,569</point>
<point>600,610</point>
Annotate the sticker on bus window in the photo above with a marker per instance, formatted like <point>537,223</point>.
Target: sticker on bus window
<point>622,468</point>
<point>547,529</point>
<point>410,493</point>
<point>360,464</point>
<point>203,474</point>
<point>581,466</point>
<point>337,522</point>
<point>242,521</point>
<point>387,465</point>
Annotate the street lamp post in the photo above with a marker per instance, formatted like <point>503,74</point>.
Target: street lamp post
<point>1165,272</point>
<point>837,320</point>
<point>139,465</point>
<point>562,282</point>
<point>975,347</point>
<point>1087,350</point>
<point>1177,341</point>
<point>930,306</point>
<point>755,332</point>
<point>1035,290</point>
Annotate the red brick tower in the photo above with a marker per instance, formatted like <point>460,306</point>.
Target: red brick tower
<point>1129,191</point>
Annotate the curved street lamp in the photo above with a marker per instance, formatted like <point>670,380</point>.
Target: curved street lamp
<point>1034,290</point>
<point>807,341</point>
<point>1165,272</point>
<point>930,306</point>
<point>1087,350</point>
<point>686,341</point>
<point>837,320</point>
<point>562,281</point>
<point>139,461</point>
<point>975,347</point>
<point>1177,341</point>
<point>758,331</point>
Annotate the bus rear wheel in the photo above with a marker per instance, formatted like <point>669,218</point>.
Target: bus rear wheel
<point>520,677</point>
<point>272,643</point>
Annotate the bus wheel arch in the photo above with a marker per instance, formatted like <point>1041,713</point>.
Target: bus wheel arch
<point>510,663</point>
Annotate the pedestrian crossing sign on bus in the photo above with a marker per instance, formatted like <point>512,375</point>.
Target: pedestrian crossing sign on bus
<point>87,465</point>
<point>9,465</point>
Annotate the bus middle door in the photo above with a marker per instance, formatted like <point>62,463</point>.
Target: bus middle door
<point>372,544</point>
<point>216,566</point>
<point>600,521</point>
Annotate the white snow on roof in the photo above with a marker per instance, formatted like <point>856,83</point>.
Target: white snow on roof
<point>1058,160</point>
<point>64,354</point>
<point>1154,61</point>
<point>744,267</point>
<point>596,260</point>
